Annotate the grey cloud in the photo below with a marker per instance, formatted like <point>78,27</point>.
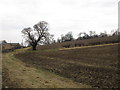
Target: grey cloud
<point>62,15</point>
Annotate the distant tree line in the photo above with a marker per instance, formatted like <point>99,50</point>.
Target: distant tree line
<point>84,35</point>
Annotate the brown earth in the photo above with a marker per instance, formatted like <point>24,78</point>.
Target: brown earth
<point>17,74</point>
<point>97,66</point>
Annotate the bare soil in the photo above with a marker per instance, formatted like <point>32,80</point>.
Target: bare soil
<point>97,66</point>
<point>17,74</point>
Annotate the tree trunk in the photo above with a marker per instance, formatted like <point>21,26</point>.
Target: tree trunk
<point>34,47</point>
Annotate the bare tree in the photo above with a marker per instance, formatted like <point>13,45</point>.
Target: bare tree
<point>49,39</point>
<point>37,34</point>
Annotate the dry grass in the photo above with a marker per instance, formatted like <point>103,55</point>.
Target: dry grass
<point>96,66</point>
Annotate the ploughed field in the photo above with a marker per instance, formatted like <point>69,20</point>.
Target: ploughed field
<point>96,66</point>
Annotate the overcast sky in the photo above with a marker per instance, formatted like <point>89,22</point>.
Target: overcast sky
<point>62,15</point>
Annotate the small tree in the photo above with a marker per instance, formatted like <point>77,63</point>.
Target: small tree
<point>92,34</point>
<point>62,38</point>
<point>79,36</point>
<point>116,32</point>
<point>104,34</point>
<point>37,34</point>
<point>58,40</point>
<point>69,36</point>
<point>86,36</point>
